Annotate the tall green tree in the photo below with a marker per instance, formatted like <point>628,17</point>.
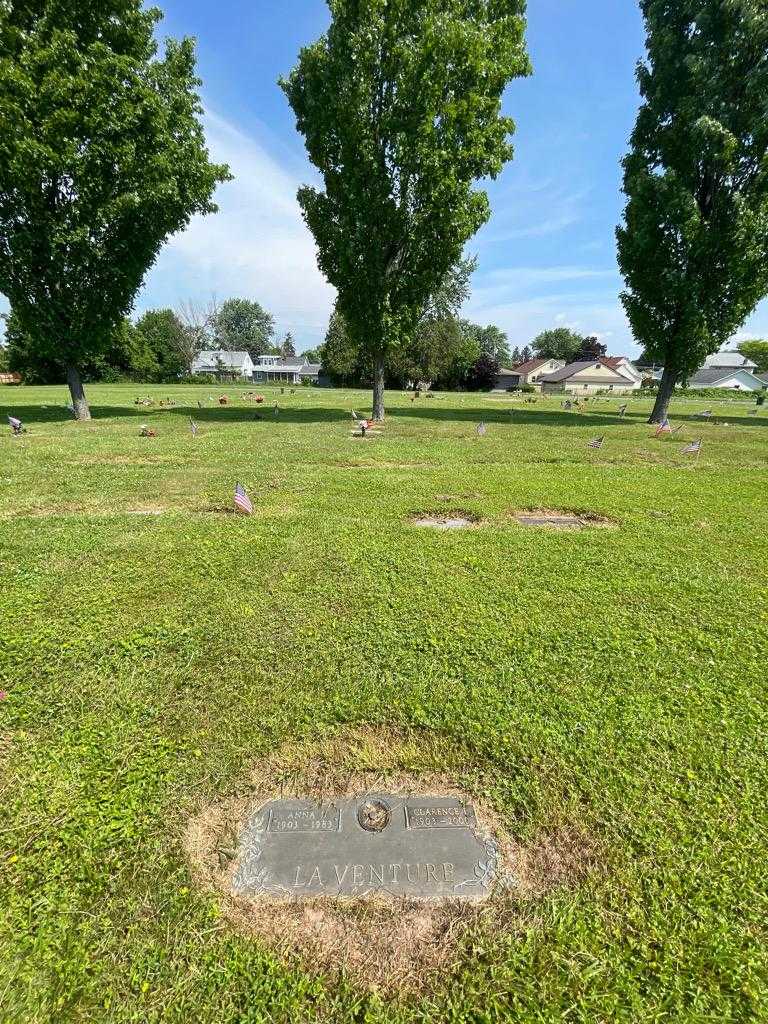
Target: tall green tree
<point>491,340</point>
<point>400,106</point>
<point>757,352</point>
<point>287,348</point>
<point>342,356</point>
<point>165,336</point>
<point>243,325</point>
<point>102,158</point>
<point>558,343</point>
<point>693,248</point>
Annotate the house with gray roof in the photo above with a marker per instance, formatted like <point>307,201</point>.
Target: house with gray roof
<point>586,377</point>
<point>280,370</point>
<point>734,378</point>
<point>729,359</point>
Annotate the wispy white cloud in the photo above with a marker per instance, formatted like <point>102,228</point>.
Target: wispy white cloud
<point>257,246</point>
<point>527,210</point>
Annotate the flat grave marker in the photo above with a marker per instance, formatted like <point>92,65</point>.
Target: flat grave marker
<point>426,848</point>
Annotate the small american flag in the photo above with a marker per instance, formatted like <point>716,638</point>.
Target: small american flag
<point>693,448</point>
<point>707,414</point>
<point>622,411</point>
<point>193,427</point>
<point>598,442</point>
<point>242,501</point>
<point>15,424</point>
<point>482,430</point>
<point>664,428</point>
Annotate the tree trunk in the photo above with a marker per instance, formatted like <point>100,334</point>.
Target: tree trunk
<point>664,396</point>
<point>79,401</point>
<point>378,388</point>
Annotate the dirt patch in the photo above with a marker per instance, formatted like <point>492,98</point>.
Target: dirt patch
<point>454,519</point>
<point>381,942</point>
<point>563,519</point>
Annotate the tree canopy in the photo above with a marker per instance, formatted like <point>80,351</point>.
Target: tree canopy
<point>102,158</point>
<point>149,352</point>
<point>558,343</point>
<point>693,248</point>
<point>757,351</point>
<point>400,107</point>
<point>165,336</point>
<point>243,325</point>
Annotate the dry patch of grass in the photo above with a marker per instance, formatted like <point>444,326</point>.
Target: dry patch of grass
<point>381,942</point>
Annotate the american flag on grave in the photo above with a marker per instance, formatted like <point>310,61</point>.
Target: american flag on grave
<point>694,448</point>
<point>622,411</point>
<point>15,424</point>
<point>482,430</point>
<point>242,501</point>
<point>598,442</point>
<point>706,415</point>
<point>665,427</point>
<point>193,427</point>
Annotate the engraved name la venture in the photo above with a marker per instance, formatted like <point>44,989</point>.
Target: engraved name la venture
<point>374,874</point>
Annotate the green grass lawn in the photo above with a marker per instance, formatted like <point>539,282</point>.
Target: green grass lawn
<point>610,682</point>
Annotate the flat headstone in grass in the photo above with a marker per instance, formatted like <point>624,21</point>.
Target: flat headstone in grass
<point>555,522</point>
<point>562,519</point>
<point>452,520</point>
<point>425,848</point>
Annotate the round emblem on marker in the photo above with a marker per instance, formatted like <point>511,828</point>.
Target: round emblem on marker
<point>374,815</point>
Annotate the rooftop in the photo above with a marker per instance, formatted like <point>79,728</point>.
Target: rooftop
<point>573,368</point>
<point>729,359</point>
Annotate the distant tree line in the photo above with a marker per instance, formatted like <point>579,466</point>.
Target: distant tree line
<point>159,348</point>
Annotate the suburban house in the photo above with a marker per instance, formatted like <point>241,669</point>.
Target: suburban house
<point>527,373</point>
<point>586,378</point>
<point>279,370</point>
<point>10,378</point>
<point>729,370</point>
<point>224,364</point>
<point>732,378</point>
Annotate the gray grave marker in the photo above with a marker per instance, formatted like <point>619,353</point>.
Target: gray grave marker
<point>419,847</point>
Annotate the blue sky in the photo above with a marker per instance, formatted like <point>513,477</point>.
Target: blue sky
<point>547,256</point>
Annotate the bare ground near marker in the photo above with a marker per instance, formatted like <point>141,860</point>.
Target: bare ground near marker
<point>385,944</point>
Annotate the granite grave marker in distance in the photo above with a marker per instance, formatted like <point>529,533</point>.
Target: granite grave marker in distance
<point>417,847</point>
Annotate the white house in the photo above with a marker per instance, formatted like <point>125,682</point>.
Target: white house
<point>228,364</point>
<point>586,378</point>
<point>729,370</point>
<point>527,373</point>
<point>279,370</point>
<point>732,378</point>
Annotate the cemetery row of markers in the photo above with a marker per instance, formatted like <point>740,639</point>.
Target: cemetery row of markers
<point>364,427</point>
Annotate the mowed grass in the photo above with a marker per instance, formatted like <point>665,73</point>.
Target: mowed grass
<point>608,683</point>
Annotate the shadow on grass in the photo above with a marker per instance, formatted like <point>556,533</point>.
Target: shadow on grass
<point>211,414</point>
